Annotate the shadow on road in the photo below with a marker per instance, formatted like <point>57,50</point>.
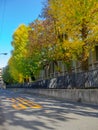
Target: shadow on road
<point>49,117</point>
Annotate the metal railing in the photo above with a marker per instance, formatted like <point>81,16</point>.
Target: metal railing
<point>69,80</point>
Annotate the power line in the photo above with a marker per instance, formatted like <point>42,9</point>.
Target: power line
<point>2,15</point>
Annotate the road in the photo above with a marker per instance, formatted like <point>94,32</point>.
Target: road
<point>19,111</point>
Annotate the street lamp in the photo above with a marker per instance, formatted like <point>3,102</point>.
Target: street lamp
<point>3,53</point>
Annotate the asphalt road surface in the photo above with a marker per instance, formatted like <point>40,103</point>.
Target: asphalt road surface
<point>19,111</point>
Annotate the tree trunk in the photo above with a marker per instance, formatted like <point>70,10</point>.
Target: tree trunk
<point>84,65</point>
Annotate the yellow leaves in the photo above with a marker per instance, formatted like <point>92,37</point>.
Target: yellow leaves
<point>20,36</point>
<point>95,30</point>
<point>72,28</point>
<point>70,13</point>
<point>17,62</point>
<point>73,48</point>
<point>20,78</point>
<point>79,20</point>
<point>72,44</point>
<point>68,55</point>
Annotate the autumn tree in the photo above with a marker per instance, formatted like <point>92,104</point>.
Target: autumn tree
<point>42,42</point>
<point>79,20</point>
<point>17,62</point>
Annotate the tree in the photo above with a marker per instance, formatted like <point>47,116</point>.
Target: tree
<point>79,20</point>
<point>42,41</point>
<point>7,77</point>
<point>17,62</point>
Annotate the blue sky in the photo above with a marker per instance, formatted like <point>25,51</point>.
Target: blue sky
<point>12,14</point>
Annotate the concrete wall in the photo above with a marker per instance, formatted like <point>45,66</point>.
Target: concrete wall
<point>77,95</point>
